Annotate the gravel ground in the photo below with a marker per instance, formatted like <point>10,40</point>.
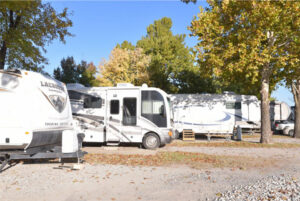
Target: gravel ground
<point>275,188</point>
<point>45,182</point>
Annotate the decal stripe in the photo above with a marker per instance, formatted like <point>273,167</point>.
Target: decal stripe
<point>91,117</point>
<point>195,124</point>
<point>10,73</point>
<point>114,128</point>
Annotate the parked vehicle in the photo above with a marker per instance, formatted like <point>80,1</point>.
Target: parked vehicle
<point>216,113</point>
<point>285,127</point>
<point>122,114</point>
<point>35,116</point>
<point>279,112</point>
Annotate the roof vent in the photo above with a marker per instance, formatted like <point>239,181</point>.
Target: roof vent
<point>144,85</point>
<point>229,92</point>
<point>125,85</point>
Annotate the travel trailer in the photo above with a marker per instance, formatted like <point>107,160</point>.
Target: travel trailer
<point>279,112</point>
<point>35,117</point>
<point>122,114</point>
<point>215,113</point>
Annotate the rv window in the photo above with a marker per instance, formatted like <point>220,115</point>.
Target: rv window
<point>114,106</point>
<point>74,95</point>
<point>129,111</point>
<point>153,108</point>
<point>233,105</point>
<point>92,102</point>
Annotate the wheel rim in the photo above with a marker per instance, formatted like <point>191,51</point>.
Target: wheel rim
<point>151,141</point>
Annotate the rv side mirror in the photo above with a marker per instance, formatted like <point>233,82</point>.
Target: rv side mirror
<point>162,110</point>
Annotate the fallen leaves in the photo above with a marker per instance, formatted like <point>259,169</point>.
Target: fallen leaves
<point>193,160</point>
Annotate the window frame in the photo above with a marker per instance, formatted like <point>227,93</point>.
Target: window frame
<point>110,105</point>
<point>123,117</point>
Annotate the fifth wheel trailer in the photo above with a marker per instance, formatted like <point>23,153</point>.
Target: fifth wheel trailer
<point>35,116</point>
<point>215,113</point>
<point>122,114</point>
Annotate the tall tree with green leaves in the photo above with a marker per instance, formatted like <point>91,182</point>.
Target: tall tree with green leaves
<point>70,72</point>
<point>171,61</point>
<point>126,45</point>
<point>247,39</point>
<point>26,28</point>
<point>88,76</point>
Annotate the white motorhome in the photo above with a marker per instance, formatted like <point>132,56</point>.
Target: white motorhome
<point>122,114</point>
<point>215,113</point>
<point>35,115</point>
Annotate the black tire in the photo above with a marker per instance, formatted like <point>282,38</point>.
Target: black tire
<point>151,141</point>
<point>291,133</point>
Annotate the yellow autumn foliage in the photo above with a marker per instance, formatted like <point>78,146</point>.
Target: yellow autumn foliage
<point>125,66</point>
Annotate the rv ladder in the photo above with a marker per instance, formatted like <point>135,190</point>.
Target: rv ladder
<point>188,135</point>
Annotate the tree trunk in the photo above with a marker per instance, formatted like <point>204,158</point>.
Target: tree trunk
<point>3,55</point>
<point>296,94</point>
<point>266,133</point>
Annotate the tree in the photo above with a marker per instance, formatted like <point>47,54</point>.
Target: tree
<point>247,39</point>
<point>171,59</point>
<point>125,66</point>
<point>26,28</point>
<point>88,75</point>
<point>70,72</point>
<point>292,76</point>
<point>126,45</point>
<point>295,86</point>
<point>188,1</point>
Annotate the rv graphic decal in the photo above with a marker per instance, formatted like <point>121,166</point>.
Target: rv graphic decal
<point>226,118</point>
<point>52,85</point>
<point>58,102</point>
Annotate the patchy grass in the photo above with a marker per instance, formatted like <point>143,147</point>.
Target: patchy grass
<point>246,136</point>
<point>242,144</point>
<point>193,160</point>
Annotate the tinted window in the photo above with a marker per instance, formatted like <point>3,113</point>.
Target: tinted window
<point>233,105</point>
<point>92,102</point>
<point>88,100</point>
<point>153,108</point>
<point>114,106</point>
<point>129,111</point>
<point>74,95</point>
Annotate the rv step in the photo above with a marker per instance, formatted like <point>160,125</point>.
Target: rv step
<point>113,143</point>
<point>188,135</point>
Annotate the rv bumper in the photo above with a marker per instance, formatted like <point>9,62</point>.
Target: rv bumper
<point>167,137</point>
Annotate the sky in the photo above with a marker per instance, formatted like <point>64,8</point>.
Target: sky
<point>99,25</point>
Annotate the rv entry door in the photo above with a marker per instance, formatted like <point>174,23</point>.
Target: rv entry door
<point>123,111</point>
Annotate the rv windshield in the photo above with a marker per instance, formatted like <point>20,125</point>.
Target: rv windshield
<point>154,108</point>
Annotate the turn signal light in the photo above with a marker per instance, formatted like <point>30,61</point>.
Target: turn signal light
<point>170,133</point>
<point>26,133</point>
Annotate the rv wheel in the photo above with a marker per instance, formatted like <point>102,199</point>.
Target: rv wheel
<point>291,133</point>
<point>151,141</point>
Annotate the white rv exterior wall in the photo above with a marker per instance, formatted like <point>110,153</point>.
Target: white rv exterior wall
<point>207,113</point>
<point>99,125</point>
<point>29,103</point>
